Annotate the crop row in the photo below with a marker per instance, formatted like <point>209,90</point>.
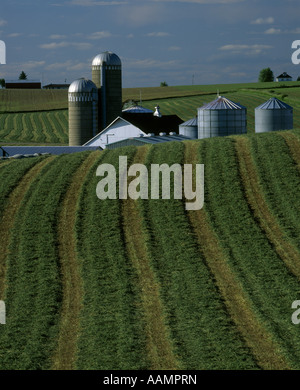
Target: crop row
<point>203,334</point>
<point>33,293</point>
<point>41,127</point>
<point>111,323</point>
<point>259,268</point>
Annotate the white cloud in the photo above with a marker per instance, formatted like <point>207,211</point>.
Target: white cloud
<point>273,31</point>
<point>141,15</point>
<point>246,49</point>
<point>203,1</point>
<point>54,45</point>
<point>33,64</point>
<point>14,35</point>
<point>58,45</point>
<point>2,22</point>
<point>174,48</point>
<point>57,36</point>
<point>149,63</point>
<point>100,35</point>
<point>91,3</point>
<point>268,20</point>
<point>158,34</point>
<point>67,65</point>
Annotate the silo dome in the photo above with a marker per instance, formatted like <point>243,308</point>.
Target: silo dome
<point>189,128</point>
<point>108,58</point>
<point>82,85</point>
<point>273,115</point>
<point>221,117</point>
<point>83,111</point>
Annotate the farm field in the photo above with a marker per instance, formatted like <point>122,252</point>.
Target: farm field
<point>41,117</point>
<point>144,284</point>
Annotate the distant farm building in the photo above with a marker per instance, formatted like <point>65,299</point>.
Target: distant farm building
<point>23,84</point>
<point>284,77</point>
<point>56,86</point>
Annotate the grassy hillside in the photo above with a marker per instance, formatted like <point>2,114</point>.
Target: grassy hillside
<point>41,117</point>
<point>145,284</point>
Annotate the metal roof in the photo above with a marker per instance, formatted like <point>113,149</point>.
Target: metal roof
<point>108,58</point>
<point>274,104</point>
<point>155,139</point>
<point>82,85</point>
<point>222,103</point>
<point>56,150</point>
<point>190,122</point>
<point>137,110</point>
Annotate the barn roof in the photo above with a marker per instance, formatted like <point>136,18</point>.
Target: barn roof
<point>149,123</point>
<point>56,150</point>
<point>148,139</point>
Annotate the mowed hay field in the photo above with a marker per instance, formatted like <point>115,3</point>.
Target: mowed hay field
<point>144,284</point>
<point>41,116</point>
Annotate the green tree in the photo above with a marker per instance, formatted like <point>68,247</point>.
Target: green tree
<point>23,76</point>
<point>2,83</point>
<point>163,84</point>
<point>266,75</point>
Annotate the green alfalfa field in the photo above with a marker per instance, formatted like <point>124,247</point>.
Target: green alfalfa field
<point>145,284</point>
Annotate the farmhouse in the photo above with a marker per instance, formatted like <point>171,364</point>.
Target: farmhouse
<point>284,77</point>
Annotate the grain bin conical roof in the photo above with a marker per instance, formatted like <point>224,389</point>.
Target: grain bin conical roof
<point>222,103</point>
<point>274,104</point>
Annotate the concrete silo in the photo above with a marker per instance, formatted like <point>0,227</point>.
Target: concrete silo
<point>221,117</point>
<point>107,75</point>
<point>189,128</point>
<point>83,111</point>
<point>273,115</point>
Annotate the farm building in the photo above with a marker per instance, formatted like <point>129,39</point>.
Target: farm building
<point>284,77</point>
<point>83,111</point>
<point>147,139</point>
<point>23,84</point>
<point>107,76</point>
<point>189,128</point>
<point>221,117</point>
<point>33,151</point>
<point>273,115</point>
<point>132,125</point>
<point>56,86</point>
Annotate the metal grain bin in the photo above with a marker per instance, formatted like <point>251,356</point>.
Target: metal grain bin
<point>107,75</point>
<point>189,128</point>
<point>221,117</point>
<point>273,115</point>
<point>83,111</point>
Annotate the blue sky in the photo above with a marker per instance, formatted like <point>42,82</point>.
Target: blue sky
<point>182,42</point>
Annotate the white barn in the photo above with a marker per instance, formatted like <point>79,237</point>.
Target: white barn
<point>132,125</point>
